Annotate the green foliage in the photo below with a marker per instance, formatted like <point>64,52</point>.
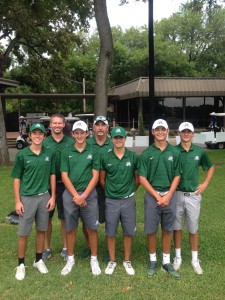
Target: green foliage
<point>43,39</point>
<point>80,284</point>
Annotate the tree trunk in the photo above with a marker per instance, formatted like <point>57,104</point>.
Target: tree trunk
<point>4,154</point>
<point>105,57</point>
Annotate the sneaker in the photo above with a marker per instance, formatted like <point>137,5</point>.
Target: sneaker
<point>110,268</point>
<point>85,253</point>
<point>128,267</point>
<point>197,268</point>
<point>40,265</point>
<point>68,267</point>
<point>177,263</point>
<point>20,272</point>
<point>170,270</point>
<point>47,254</point>
<point>95,269</point>
<point>64,254</point>
<point>151,268</point>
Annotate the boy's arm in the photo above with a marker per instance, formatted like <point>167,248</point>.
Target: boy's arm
<point>51,201</point>
<point>146,184</point>
<point>201,187</point>
<point>18,204</point>
<point>166,198</point>
<point>81,199</point>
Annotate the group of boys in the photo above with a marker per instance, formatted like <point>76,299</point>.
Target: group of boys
<point>95,179</point>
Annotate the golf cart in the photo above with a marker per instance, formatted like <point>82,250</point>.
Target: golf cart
<point>22,140</point>
<point>215,139</point>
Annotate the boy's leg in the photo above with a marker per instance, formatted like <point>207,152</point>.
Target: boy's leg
<point>111,243</point>
<point>22,246</point>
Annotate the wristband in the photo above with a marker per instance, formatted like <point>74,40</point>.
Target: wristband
<point>83,196</point>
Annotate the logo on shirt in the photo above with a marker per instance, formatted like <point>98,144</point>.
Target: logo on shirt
<point>89,156</point>
<point>196,157</point>
<point>70,156</point>
<point>151,158</point>
<point>109,150</point>
<point>170,158</point>
<point>28,161</point>
<point>46,158</point>
<point>128,164</point>
<point>109,165</point>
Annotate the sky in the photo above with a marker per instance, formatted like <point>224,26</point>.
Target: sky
<point>136,14</point>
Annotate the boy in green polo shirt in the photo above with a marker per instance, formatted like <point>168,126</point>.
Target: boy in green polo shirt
<point>80,166</point>
<point>119,178</point>
<point>34,175</point>
<point>159,173</point>
<point>189,193</point>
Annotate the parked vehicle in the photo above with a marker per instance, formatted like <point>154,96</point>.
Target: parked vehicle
<point>215,139</point>
<point>22,141</point>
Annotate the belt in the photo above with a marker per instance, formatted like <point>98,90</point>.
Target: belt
<point>162,193</point>
<point>187,193</point>
<point>41,194</point>
<point>132,194</point>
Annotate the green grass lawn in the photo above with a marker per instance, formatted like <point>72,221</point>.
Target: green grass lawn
<point>80,284</point>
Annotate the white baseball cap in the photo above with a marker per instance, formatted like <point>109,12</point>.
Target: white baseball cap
<point>160,122</point>
<point>80,125</point>
<point>186,125</point>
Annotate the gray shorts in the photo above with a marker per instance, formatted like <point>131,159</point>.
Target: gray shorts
<point>34,209</point>
<point>89,213</point>
<point>155,214</point>
<point>120,209</point>
<point>188,211</point>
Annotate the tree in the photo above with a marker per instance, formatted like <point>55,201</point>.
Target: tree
<point>105,56</point>
<point>39,33</point>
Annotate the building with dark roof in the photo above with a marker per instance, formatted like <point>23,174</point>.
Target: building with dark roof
<point>176,99</point>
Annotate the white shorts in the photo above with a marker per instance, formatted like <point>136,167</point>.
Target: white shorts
<point>188,211</point>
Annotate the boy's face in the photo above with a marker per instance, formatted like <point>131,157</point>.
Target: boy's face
<point>160,133</point>
<point>186,135</point>
<point>118,141</point>
<point>37,136</point>
<point>80,136</point>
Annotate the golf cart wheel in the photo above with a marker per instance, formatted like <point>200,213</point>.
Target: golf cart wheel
<point>19,145</point>
<point>221,146</point>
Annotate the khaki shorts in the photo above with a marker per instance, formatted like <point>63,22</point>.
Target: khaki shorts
<point>188,211</point>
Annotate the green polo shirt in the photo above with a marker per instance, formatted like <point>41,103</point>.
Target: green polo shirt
<point>33,170</point>
<point>57,147</point>
<point>104,148</point>
<point>190,163</point>
<point>120,181</point>
<point>79,165</point>
<point>160,167</point>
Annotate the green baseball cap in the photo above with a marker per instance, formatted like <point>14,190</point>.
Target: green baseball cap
<point>38,126</point>
<point>118,131</point>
